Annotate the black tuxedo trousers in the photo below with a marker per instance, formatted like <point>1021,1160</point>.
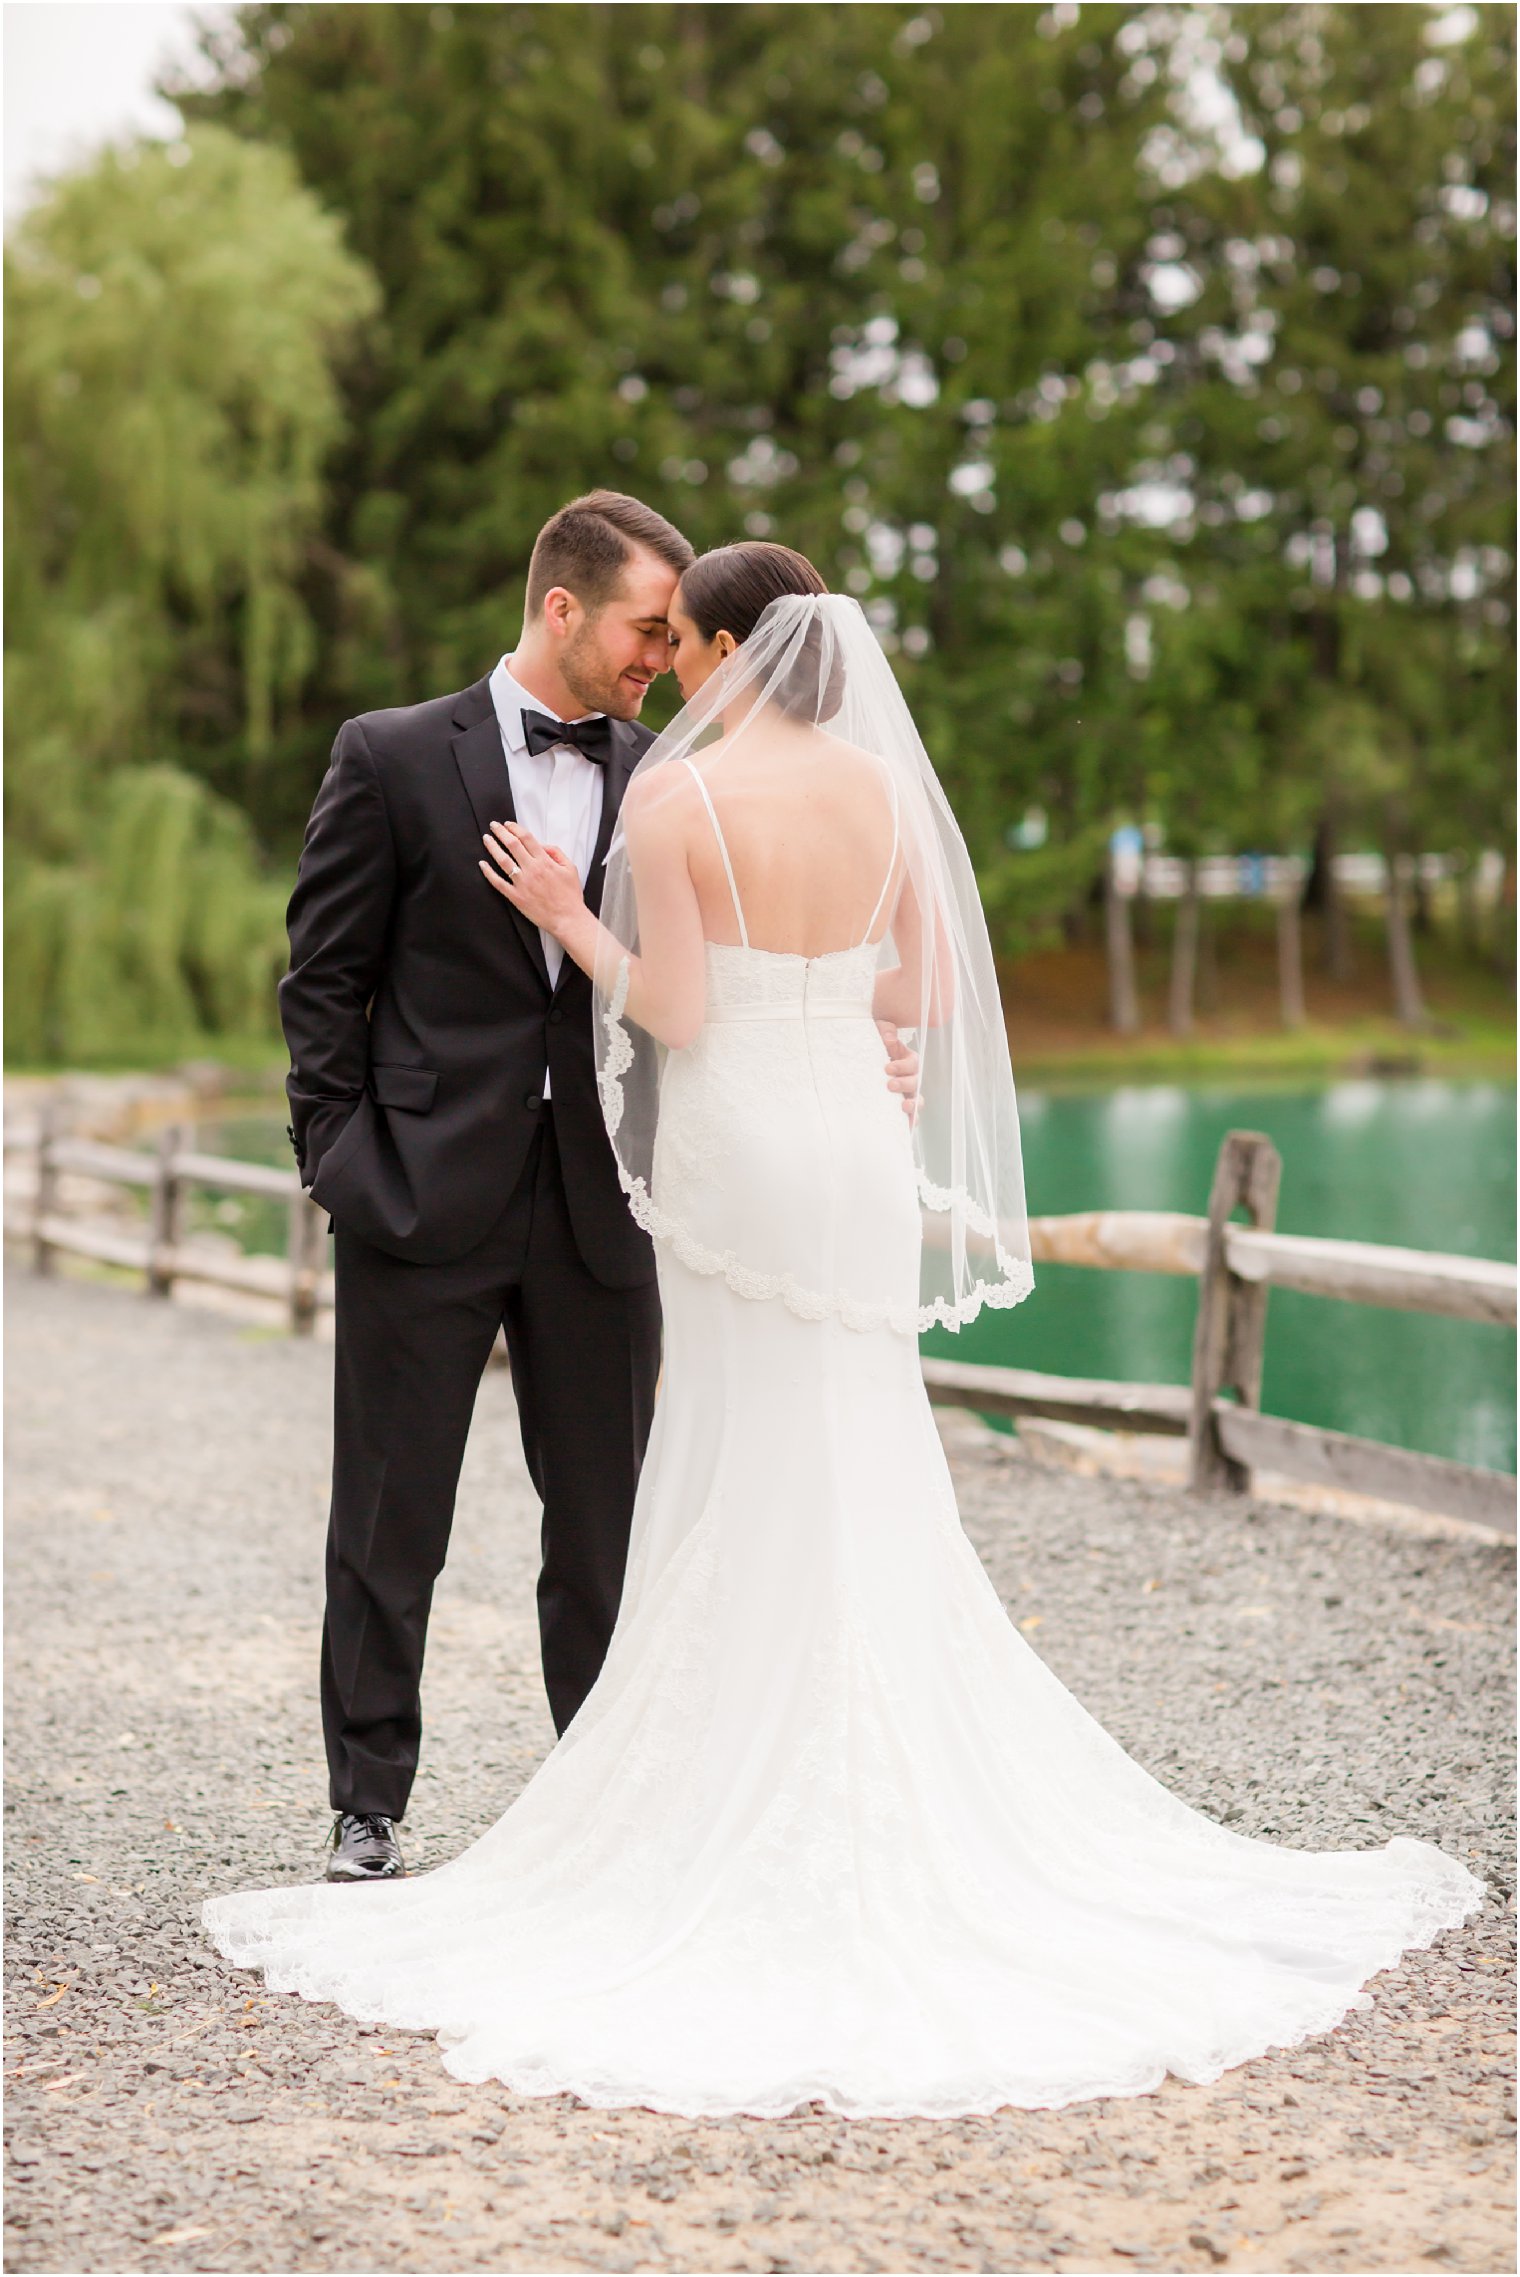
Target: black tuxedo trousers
<point>423,1026</point>
<point>413,1340</point>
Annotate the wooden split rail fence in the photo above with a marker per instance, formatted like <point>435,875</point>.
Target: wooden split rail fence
<point>1235,1266</point>
<point>162,1250</point>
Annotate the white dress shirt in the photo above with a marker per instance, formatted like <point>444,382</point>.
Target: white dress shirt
<point>557,794</point>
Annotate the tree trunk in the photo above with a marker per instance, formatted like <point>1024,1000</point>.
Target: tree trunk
<point>1142,915</point>
<point>1290,958</point>
<point>1408,1004</point>
<point>1184,956</point>
<point>1123,1002</point>
<point>1502,924</point>
<point>1324,893</point>
<point>1207,990</point>
<point>1469,921</point>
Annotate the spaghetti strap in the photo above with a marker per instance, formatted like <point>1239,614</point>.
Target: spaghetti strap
<point>728,867</point>
<point>891,861</point>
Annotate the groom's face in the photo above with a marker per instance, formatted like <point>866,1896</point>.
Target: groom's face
<point>609,659</point>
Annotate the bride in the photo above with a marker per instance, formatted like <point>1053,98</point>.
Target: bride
<point>826,1827</point>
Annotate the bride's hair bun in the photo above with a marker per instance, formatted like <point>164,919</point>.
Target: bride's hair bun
<point>730,589</point>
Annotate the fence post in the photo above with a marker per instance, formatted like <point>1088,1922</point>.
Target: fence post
<point>46,1188</point>
<point>1230,1334</point>
<point>165,1213</point>
<point>305,1248</point>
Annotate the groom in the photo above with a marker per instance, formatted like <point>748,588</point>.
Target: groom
<point>444,1113</point>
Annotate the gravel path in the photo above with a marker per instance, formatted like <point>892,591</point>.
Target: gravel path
<point>1306,1678</point>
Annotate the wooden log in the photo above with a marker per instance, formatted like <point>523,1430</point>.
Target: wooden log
<point>1230,1331</point>
<point>166,1212</point>
<point>192,1261</point>
<point>129,1166</point>
<point>255,1276</point>
<point>1362,1466</point>
<point>236,1177</point>
<point>1128,1241</point>
<point>112,1165</point>
<point>102,1243</point>
<point>306,1251</point>
<point>44,1197</point>
<point>1163,1408</point>
<point>1360,1272</point>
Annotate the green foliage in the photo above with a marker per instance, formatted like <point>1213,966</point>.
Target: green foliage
<point>171,316</point>
<point>1172,460</point>
<point>160,933</point>
<point>951,298</point>
<point>791,269</point>
<point>1026,895</point>
<point>1342,397</point>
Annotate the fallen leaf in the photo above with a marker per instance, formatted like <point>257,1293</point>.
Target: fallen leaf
<point>87,1877</point>
<point>1031,1621</point>
<point>62,1988</point>
<point>179,2237</point>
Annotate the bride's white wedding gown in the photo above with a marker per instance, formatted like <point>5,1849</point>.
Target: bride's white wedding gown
<point>827,1827</point>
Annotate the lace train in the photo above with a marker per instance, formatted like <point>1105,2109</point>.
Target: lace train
<point>828,1828</point>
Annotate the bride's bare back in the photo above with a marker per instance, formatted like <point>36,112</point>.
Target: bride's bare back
<point>809,828</point>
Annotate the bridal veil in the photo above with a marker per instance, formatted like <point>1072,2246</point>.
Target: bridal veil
<point>813,665</point>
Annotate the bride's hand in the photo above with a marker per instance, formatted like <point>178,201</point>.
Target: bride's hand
<point>539,880</point>
<point>902,1068</point>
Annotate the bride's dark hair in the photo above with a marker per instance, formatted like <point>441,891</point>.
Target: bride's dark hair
<point>729,590</point>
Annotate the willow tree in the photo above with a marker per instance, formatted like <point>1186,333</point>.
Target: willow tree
<point>172,319</point>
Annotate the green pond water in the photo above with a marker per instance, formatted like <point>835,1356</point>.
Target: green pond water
<point>1418,1165</point>
<point>1422,1165</point>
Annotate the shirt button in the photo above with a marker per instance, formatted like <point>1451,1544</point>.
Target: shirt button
<point>533,1102</point>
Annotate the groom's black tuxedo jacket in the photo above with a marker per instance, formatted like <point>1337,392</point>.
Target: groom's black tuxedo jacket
<point>417,1007</point>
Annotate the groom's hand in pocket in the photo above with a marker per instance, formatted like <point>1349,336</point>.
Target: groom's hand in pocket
<point>902,1068</point>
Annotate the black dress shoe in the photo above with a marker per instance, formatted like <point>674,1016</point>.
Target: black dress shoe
<point>363,1848</point>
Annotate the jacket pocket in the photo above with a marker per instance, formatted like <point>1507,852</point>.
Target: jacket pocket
<point>410,1088</point>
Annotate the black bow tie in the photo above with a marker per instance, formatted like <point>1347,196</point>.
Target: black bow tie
<point>592,738</point>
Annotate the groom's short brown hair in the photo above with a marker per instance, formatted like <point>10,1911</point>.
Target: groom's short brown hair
<point>585,545</point>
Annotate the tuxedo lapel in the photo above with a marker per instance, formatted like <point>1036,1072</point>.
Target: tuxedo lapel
<point>482,765</point>
<point>626,754</point>
<point>625,757</point>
